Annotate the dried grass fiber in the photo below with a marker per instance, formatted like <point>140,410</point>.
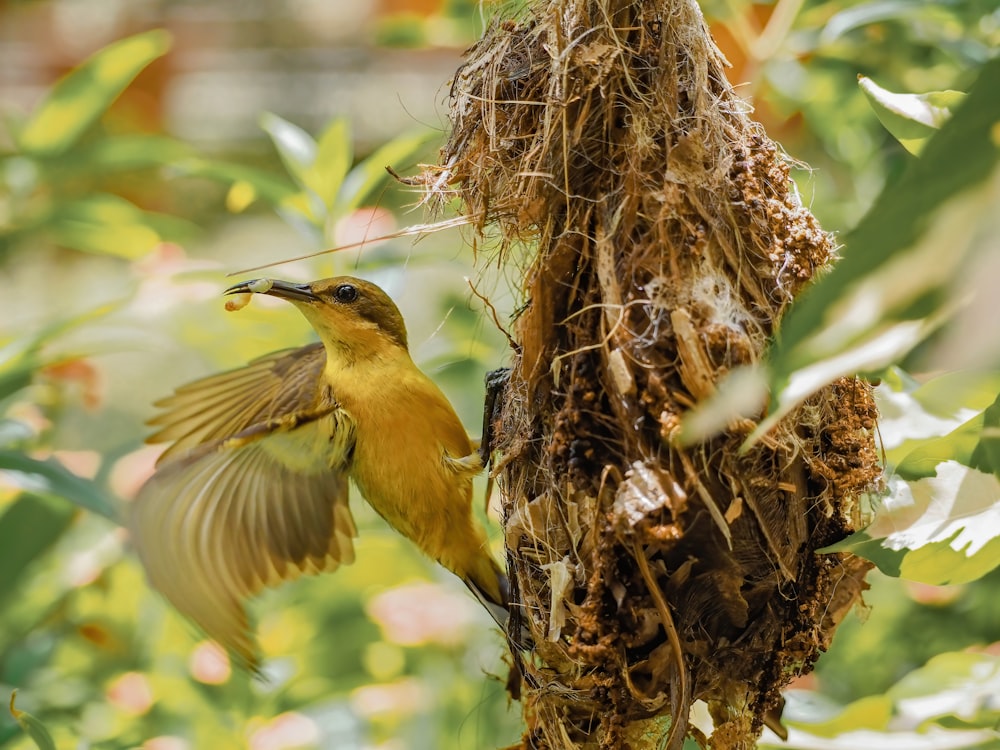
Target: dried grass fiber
<point>669,239</point>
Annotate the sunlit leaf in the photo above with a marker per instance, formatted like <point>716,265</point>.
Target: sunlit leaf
<point>963,685</point>
<point>300,212</point>
<point>903,274</point>
<point>922,429</point>
<point>21,357</point>
<point>52,479</point>
<point>986,456</point>
<point>334,155</point>
<point>955,393</point>
<point>933,737</point>
<point>870,712</point>
<point>111,225</point>
<point>266,186</point>
<point>741,394</point>
<point>126,151</point>
<point>925,424</point>
<point>949,703</point>
<point>32,726</point>
<point>240,196</point>
<point>370,173</point>
<point>958,445</point>
<point>863,14</point>
<point>14,431</point>
<point>939,530</point>
<point>911,118</point>
<point>295,146</point>
<point>28,528</point>
<point>79,98</point>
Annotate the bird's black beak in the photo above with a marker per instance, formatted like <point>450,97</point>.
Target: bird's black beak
<point>276,288</point>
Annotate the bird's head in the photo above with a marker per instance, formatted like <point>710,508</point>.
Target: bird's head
<point>349,314</point>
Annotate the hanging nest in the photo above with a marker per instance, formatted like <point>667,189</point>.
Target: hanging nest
<point>669,240</point>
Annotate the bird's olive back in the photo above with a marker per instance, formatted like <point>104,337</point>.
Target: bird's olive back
<point>365,300</point>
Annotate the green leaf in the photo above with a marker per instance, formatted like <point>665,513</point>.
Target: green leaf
<point>52,479</point>
<point>949,703</point>
<point>267,187</point>
<point>295,146</point>
<point>18,362</point>
<point>14,380</point>
<point>82,96</point>
<point>741,394</point>
<point>986,455</point>
<point>110,225</point>
<point>957,392</point>
<point>34,728</point>
<point>958,445</point>
<point>126,152</point>
<point>333,158</point>
<point>940,530</point>
<point>865,14</point>
<point>20,358</point>
<point>911,118</point>
<point>905,264</point>
<point>14,431</point>
<point>298,152</point>
<point>371,172</point>
<point>921,425</point>
<point>303,215</point>
<point>28,528</point>
<point>957,683</point>
<point>871,712</point>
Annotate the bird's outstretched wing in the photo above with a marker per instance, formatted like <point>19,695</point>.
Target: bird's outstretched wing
<point>252,492</point>
<point>220,406</point>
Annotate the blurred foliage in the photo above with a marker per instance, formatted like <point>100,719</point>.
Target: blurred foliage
<point>56,184</point>
<point>924,620</point>
<point>797,62</point>
<point>328,188</point>
<point>803,75</point>
<point>390,652</point>
<point>947,703</point>
<point>911,118</point>
<point>911,273</point>
<point>865,314</point>
<point>34,728</point>
<point>353,660</point>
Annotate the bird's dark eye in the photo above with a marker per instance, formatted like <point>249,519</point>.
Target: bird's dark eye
<point>345,293</point>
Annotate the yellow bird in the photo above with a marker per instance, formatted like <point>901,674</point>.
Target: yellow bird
<point>253,490</point>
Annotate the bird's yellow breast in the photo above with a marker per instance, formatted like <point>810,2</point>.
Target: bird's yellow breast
<point>406,432</point>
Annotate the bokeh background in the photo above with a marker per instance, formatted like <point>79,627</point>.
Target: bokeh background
<point>260,134</point>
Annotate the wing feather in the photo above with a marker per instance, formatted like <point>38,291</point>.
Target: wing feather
<point>220,406</point>
<point>215,530</point>
<point>253,491</point>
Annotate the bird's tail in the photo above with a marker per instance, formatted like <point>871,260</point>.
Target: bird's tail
<point>491,587</point>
